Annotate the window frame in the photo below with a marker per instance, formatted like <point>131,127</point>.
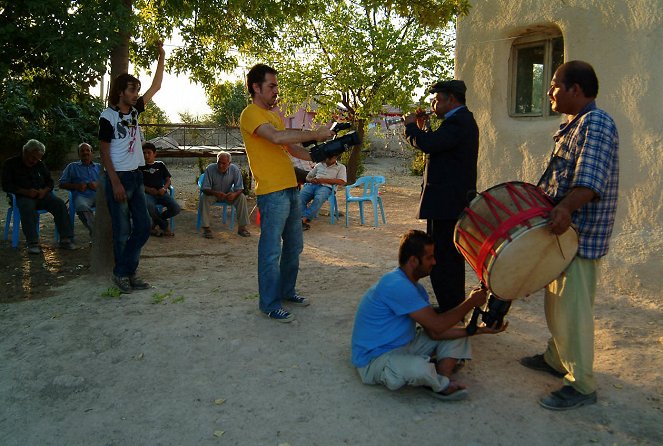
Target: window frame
<point>546,40</point>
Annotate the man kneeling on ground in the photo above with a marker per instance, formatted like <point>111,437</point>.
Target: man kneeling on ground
<point>387,347</point>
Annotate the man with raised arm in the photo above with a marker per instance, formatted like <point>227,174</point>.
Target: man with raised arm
<point>121,154</point>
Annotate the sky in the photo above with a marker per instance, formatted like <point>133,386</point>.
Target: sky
<point>177,93</point>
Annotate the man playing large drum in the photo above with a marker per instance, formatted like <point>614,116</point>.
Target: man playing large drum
<point>582,179</point>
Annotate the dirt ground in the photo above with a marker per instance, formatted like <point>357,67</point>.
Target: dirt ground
<point>192,361</point>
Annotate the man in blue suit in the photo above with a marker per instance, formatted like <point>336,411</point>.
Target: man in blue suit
<point>449,181</point>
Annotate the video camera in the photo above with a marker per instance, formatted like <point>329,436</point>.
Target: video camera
<point>493,316</point>
<point>334,146</point>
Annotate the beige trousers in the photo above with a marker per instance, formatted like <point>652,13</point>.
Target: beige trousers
<point>410,365</point>
<point>569,308</point>
<point>239,203</point>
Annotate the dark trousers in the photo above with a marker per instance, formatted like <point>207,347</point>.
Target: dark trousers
<point>448,274</point>
<point>28,208</point>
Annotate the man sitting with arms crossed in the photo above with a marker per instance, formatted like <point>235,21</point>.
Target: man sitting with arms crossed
<point>156,179</point>
<point>388,349</point>
<point>223,183</point>
<point>81,178</point>
<point>27,177</point>
<point>319,187</point>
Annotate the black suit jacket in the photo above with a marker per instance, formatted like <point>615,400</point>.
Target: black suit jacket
<point>450,177</point>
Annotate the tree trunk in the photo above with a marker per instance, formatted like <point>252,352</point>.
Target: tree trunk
<point>120,54</point>
<point>355,156</point>
<point>102,258</point>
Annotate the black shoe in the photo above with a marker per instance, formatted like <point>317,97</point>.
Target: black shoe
<point>539,364</point>
<point>567,398</point>
<point>137,283</point>
<point>123,284</point>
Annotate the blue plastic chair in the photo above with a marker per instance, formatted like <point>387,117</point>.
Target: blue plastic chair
<point>333,205</point>
<point>14,220</point>
<point>224,205</point>
<point>72,207</point>
<point>171,220</point>
<point>370,188</point>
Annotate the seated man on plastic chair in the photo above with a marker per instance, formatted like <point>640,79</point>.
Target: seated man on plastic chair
<point>318,187</point>
<point>81,178</point>
<point>156,180</point>
<point>28,178</point>
<point>223,182</point>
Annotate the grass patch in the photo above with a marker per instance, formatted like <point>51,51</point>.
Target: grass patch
<point>159,298</point>
<point>112,292</point>
<point>163,298</point>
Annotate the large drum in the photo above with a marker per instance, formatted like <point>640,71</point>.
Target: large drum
<point>505,237</point>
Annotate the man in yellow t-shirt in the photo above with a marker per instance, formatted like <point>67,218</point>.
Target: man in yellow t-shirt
<point>268,143</point>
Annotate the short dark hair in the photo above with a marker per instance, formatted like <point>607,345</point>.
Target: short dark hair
<point>413,243</point>
<point>257,75</point>
<point>120,84</point>
<point>149,146</point>
<point>581,73</point>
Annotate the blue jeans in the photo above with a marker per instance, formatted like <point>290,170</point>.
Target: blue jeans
<point>316,192</point>
<point>170,205</point>
<point>84,205</point>
<point>281,242</point>
<point>130,220</point>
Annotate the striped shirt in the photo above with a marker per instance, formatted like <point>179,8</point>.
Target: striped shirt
<point>586,155</point>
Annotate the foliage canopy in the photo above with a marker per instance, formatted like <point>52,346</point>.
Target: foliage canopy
<point>360,56</point>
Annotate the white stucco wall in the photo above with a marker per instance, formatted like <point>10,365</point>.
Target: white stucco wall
<point>623,40</point>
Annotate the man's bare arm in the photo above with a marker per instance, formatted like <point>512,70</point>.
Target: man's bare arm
<point>560,215</point>
<point>118,189</point>
<point>441,326</point>
<point>292,136</point>
<point>158,76</point>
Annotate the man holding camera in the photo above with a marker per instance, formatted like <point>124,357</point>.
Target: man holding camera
<point>268,143</point>
<point>319,186</point>
<point>449,181</point>
<point>388,349</point>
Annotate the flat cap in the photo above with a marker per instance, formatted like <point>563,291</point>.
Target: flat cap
<point>453,86</point>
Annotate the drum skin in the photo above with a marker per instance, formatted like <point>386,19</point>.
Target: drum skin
<point>504,235</point>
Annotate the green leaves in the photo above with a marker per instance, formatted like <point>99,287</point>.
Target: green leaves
<point>227,101</point>
<point>362,55</point>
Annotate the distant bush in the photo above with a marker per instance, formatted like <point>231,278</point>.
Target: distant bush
<point>61,122</point>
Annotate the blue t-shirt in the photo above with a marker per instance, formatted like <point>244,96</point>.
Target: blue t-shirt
<point>382,322</point>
